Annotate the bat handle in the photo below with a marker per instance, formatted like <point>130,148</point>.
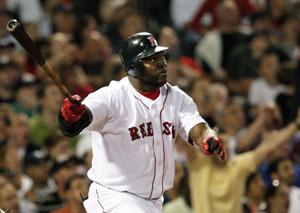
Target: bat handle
<point>59,84</point>
<point>71,99</point>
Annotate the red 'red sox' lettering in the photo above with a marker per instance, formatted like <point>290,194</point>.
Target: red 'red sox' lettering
<point>146,130</point>
<point>134,133</point>
<point>168,129</point>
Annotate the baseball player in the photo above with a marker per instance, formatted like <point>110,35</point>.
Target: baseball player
<point>134,124</point>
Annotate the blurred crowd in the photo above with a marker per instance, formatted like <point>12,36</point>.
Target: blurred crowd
<point>238,59</point>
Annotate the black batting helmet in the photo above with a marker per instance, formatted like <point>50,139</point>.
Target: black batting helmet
<point>136,47</point>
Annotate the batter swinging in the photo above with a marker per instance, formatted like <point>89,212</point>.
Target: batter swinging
<point>134,124</point>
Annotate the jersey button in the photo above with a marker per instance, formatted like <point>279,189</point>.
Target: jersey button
<point>157,143</point>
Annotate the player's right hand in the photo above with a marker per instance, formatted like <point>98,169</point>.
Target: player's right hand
<point>72,112</point>
<point>213,145</point>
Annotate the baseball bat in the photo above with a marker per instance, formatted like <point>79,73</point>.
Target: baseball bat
<point>18,32</point>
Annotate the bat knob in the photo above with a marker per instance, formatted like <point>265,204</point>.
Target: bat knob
<point>12,25</point>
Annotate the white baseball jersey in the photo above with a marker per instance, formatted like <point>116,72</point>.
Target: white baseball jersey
<point>133,136</point>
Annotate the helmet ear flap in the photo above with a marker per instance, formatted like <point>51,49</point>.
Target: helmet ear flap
<point>136,68</point>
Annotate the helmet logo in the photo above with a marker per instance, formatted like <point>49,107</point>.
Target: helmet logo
<point>152,40</point>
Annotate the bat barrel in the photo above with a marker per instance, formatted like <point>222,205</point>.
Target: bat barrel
<point>18,32</point>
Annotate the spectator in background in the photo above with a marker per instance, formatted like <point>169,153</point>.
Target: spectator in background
<point>113,69</point>
<point>111,14</point>
<point>58,147</point>
<point>74,188</point>
<point>277,198</point>
<point>9,75</point>
<point>26,100</point>
<point>111,11</point>
<point>37,197</point>
<point>243,61</point>
<point>130,24</point>
<point>253,201</point>
<point>5,16</point>
<point>198,91</point>
<point>211,99</point>
<point>45,124</point>
<point>168,37</point>
<point>276,10</point>
<point>8,197</point>
<point>213,49</point>
<point>29,11</point>
<point>96,49</point>
<point>267,118</point>
<point>182,202</point>
<point>178,11</point>
<point>86,24</point>
<point>8,167</point>
<point>232,121</point>
<point>296,102</point>
<point>18,133</point>
<point>3,124</point>
<point>60,173</point>
<point>209,9</point>
<point>90,9</point>
<point>87,158</point>
<point>220,190</point>
<point>283,170</point>
<point>285,99</point>
<point>260,22</point>
<point>156,12</point>
<point>79,83</point>
<point>7,49</point>
<point>217,98</point>
<point>288,34</point>
<point>64,19</point>
<point>266,86</point>
<point>174,192</point>
<point>61,41</point>
<point>182,69</point>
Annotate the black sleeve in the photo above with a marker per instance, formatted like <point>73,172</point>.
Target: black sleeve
<point>73,129</point>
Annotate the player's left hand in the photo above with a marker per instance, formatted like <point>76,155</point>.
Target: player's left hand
<point>71,111</point>
<point>213,145</point>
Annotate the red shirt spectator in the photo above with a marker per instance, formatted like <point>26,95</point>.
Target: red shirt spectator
<point>246,8</point>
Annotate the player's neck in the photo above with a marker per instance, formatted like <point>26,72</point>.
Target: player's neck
<point>141,86</point>
<point>149,92</point>
<point>152,95</point>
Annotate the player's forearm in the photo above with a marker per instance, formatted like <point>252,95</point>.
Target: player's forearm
<point>199,132</point>
<point>73,129</point>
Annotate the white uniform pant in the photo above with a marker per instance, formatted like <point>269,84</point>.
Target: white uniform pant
<point>104,200</point>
